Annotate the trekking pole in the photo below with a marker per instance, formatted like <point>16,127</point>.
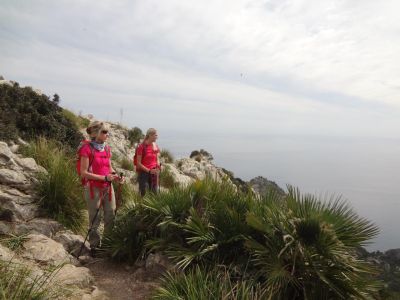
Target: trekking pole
<point>91,226</point>
<point>118,195</point>
<point>158,180</point>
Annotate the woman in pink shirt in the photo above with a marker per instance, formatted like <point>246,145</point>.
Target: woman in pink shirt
<point>98,173</point>
<point>148,163</point>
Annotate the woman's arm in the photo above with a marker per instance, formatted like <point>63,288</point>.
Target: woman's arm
<point>140,166</point>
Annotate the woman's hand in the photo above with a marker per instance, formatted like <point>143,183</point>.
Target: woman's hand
<point>154,171</point>
<point>112,177</point>
<point>121,179</point>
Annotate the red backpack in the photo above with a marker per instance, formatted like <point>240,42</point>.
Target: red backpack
<point>91,158</point>
<point>135,156</point>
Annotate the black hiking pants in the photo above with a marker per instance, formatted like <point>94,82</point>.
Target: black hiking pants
<point>147,182</point>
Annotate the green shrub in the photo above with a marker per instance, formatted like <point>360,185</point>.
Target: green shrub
<point>59,190</point>
<point>17,282</point>
<point>296,247</point>
<point>14,242</point>
<point>199,155</point>
<point>43,150</point>
<point>167,156</point>
<point>79,121</point>
<point>26,114</point>
<point>308,248</point>
<point>202,223</point>
<point>201,283</point>
<point>116,158</point>
<point>126,164</point>
<point>135,135</point>
<point>133,227</point>
<point>167,180</point>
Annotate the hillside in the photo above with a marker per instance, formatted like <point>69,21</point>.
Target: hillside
<point>206,225</point>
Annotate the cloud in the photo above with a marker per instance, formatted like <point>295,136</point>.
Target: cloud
<point>282,66</point>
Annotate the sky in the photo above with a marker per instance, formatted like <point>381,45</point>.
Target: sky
<point>304,92</point>
<point>310,67</point>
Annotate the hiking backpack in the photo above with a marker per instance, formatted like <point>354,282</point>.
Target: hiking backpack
<point>135,156</point>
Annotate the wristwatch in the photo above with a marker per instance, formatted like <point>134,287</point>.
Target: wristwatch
<point>105,178</point>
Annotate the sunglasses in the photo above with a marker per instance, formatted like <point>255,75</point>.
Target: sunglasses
<point>104,131</point>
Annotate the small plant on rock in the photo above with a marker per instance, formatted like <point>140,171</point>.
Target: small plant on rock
<point>167,156</point>
<point>14,242</point>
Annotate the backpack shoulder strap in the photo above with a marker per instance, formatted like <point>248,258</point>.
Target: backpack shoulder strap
<point>91,158</point>
<point>144,149</point>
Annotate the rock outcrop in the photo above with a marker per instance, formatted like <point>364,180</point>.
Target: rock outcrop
<point>263,186</point>
<point>46,243</point>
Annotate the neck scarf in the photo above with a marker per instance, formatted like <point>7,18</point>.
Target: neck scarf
<point>98,146</point>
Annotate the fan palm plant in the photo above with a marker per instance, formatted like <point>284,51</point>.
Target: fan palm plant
<point>203,283</point>
<point>204,222</point>
<point>307,248</point>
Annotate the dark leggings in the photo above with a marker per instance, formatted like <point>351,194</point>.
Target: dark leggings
<point>147,182</point>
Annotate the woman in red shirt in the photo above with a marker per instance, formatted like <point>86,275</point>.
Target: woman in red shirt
<point>148,163</point>
<point>98,173</point>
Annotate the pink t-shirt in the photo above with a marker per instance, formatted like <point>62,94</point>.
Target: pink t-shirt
<point>149,160</point>
<point>100,163</point>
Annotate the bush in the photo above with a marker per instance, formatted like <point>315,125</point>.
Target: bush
<point>135,135</point>
<point>59,190</point>
<point>201,283</point>
<point>26,114</point>
<point>133,227</point>
<point>294,247</point>
<point>14,242</point>
<point>167,156</point>
<point>199,155</point>
<point>126,164</point>
<point>308,248</point>
<point>79,121</point>
<point>167,180</point>
<point>17,282</point>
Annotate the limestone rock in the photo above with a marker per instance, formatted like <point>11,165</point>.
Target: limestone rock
<point>22,142</point>
<point>6,227</point>
<point>202,169</point>
<point>393,255</point>
<point>72,242</point>
<point>95,295</point>
<point>11,194</point>
<point>7,157</point>
<point>6,82</point>
<point>179,177</point>
<point>42,249</point>
<point>262,186</point>
<point>5,253</point>
<point>43,226</point>
<point>14,148</point>
<point>70,275</point>
<point>27,163</point>
<point>5,151</point>
<point>158,262</point>
<point>12,177</point>
<point>20,212</point>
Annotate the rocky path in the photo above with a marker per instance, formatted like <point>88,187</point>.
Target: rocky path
<point>123,282</point>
